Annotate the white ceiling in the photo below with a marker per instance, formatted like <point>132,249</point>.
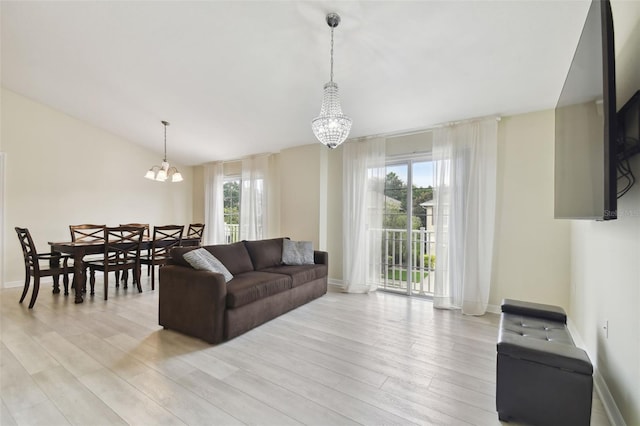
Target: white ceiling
<point>236,78</point>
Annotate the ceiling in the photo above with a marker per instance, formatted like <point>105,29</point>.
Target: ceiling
<point>236,78</point>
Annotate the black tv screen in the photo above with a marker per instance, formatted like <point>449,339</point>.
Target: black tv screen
<point>585,125</point>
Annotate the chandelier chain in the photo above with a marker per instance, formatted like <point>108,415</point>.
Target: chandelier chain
<point>331,76</point>
<point>165,142</point>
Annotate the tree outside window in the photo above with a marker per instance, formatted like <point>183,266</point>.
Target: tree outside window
<point>232,209</point>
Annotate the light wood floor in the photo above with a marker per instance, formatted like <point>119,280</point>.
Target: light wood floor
<point>342,359</point>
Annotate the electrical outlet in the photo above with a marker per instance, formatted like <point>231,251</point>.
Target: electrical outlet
<point>605,329</point>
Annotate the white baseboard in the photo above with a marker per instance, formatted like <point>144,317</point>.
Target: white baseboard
<point>494,309</point>
<point>610,407</point>
<point>12,284</point>
<point>335,282</point>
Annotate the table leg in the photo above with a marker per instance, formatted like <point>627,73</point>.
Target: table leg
<point>54,263</point>
<point>78,276</point>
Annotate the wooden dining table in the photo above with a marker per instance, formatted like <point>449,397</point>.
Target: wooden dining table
<point>79,249</point>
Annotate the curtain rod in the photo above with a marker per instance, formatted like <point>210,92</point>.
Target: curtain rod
<point>418,130</point>
<point>469,120</point>
<point>237,160</point>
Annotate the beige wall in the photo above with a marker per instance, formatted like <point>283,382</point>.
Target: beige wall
<point>334,213</point>
<point>605,256</point>
<point>300,192</point>
<point>273,198</point>
<point>531,257</point>
<point>62,171</point>
<point>198,194</point>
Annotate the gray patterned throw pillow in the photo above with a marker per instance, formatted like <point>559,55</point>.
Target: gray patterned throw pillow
<point>297,252</point>
<point>203,260</point>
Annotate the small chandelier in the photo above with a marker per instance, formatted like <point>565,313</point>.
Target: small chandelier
<point>163,172</point>
<point>331,127</point>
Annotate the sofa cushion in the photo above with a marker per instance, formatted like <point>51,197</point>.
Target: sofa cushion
<point>300,274</point>
<point>254,285</point>
<point>297,252</point>
<point>203,259</point>
<point>177,255</point>
<point>234,256</point>
<point>265,253</point>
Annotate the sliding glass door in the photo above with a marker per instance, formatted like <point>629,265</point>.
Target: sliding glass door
<point>408,233</point>
<point>232,209</point>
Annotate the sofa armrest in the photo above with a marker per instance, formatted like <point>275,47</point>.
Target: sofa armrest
<point>531,309</point>
<point>320,257</point>
<point>556,355</point>
<point>192,302</point>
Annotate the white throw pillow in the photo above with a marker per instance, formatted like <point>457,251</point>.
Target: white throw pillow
<point>297,252</point>
<point>203,260</point>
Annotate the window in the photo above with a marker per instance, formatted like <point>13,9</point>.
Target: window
<point>231,196</point>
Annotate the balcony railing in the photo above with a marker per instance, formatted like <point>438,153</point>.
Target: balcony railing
<point>395,261</point>
<point>231,233</point>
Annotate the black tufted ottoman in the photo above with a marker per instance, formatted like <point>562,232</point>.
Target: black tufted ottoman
<point>542,378</point>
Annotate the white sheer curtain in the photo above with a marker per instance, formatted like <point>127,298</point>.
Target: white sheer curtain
<point>214,203</point>
<point>253,198</point>
<point>465,157</point>
<point>363,166</point>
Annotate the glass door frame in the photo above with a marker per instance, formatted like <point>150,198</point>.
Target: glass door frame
<point>409,161</point>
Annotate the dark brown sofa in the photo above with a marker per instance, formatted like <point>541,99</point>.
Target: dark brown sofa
<point>201,304</point>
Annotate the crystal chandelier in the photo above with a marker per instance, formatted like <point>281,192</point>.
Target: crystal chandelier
<point>164,171</point>
<point>331,127</point>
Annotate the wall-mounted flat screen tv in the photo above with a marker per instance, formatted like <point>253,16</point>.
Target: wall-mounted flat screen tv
<point>585,125</point>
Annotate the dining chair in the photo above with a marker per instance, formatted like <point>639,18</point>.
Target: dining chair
<point>164,239</point>
<point>146,234</point>
<point>32,266</point>
<point>121,253</point>
<point>196,230</point>
<point>89,233</point>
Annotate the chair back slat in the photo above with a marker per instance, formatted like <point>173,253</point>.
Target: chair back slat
<point>164,239</point>
<point>122,243</point>
<point>139,225</point>
<point>87,232</point>
<point>29,251</point>
<point>196,230</point>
